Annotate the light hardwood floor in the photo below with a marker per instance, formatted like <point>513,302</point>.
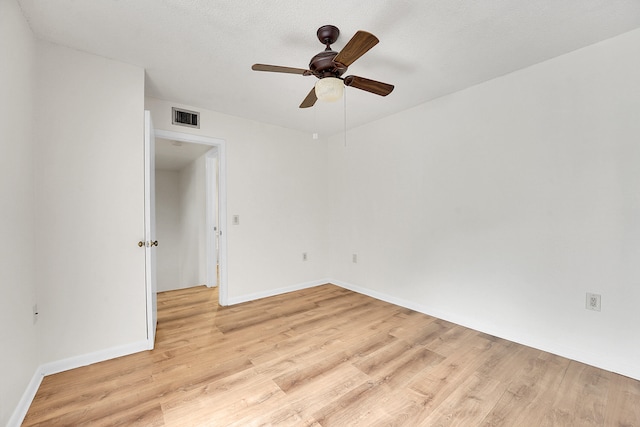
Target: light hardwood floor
<point>326,356</point>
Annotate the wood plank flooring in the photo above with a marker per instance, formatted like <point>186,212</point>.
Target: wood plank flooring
<point>327,356</point>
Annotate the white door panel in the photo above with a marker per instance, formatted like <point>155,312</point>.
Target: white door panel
<point>150,228</point>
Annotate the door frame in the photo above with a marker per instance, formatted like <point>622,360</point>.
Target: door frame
<point>211,214</point>
<point>220,145</point>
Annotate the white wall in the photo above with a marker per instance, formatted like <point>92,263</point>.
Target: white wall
<point>497,207</point>
<point>276,182</point>
<point>192,225</point>
<point>167,230</point>
<point>18,334</point>
<point>90,115</point>
<point>181,226</point>
<point>500,206</point>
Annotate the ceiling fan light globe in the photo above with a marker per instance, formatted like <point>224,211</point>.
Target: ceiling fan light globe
<point>329,89</point>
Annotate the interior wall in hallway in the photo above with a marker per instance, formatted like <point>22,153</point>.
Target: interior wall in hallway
<point>181,226</point>
<point>167,230</point>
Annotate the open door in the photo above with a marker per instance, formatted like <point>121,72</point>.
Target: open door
<point>213,227</point>
<point>150,228</point>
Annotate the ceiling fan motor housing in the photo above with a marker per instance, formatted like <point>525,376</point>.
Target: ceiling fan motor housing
<point>322,65</point>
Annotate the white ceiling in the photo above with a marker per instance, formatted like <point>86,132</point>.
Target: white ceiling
<point>176,155</point>
<point>200,53</point>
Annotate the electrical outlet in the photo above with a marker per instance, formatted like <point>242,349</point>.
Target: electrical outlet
<point>593,302</point>
<point>304,256</point>
<point>354,258</point>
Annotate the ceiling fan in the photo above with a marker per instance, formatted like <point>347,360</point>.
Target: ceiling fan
<point>328,66</point>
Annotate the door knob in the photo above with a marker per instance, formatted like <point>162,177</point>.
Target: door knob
<point>154,243</point>
<point>140,243</point>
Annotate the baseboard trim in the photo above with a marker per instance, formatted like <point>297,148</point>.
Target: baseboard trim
<point>87,359</point>
<point>274,292</point>
<point>579,355</point>
<point>64,365</point>
<point>384,297</point>
<point>25,401</point>
<point>91,358</point>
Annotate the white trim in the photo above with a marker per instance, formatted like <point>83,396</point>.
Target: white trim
<point>91,358</point>
<point>223,287</point>
<point>222,198</point>
<point>149,230</point>
<point>211,215</point>
<point>562,350</point>
<point>75,362</point>
<point>188,137</point>
<point>279,291</point>
<point>64,365</point>
<point>20,411</point>
<point>383,297</point>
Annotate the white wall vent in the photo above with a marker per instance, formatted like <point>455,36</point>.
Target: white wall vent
<point>185,117</point>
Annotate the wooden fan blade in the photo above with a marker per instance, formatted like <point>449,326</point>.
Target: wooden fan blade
<point>373,86</point>
<point>279,69</point>
<point>359,44</point>
<point>310,100</point>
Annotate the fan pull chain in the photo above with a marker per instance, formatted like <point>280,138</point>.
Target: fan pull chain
<point>345,118</point>
<point>315,123</point>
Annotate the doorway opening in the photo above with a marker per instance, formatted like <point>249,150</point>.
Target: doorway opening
<point>211,164</point>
